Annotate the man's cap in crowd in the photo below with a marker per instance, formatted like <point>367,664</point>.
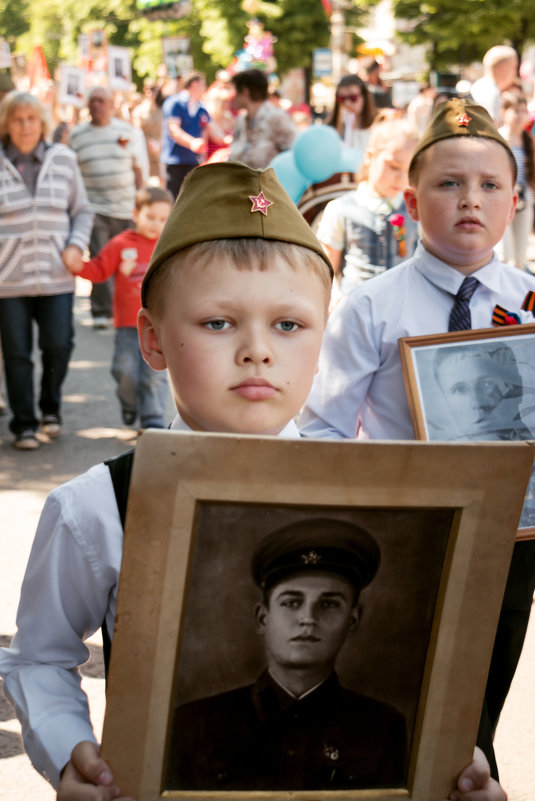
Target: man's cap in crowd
<point>316,544</point>
<point>459,117</point>
<point>230,201</point>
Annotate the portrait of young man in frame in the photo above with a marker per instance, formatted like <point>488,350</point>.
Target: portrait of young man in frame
<point>475,386</point>
<point>298,667</point>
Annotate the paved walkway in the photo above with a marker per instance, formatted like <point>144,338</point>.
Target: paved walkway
<point>93,431</point>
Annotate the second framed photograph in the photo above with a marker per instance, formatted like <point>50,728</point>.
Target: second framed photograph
<point>72,86</point>
<point>306,620</point>
<point>473,386</point>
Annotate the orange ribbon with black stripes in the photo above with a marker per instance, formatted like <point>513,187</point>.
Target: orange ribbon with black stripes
<point>501,316</point>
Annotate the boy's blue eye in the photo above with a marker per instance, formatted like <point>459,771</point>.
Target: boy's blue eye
<point>287,325</point>
<point>217,325</point>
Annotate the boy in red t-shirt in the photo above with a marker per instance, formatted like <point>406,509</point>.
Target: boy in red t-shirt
<point>141,390</point>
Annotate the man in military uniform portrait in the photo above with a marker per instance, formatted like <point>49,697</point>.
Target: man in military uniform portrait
<point>484,391</point>
<point>296,727</point>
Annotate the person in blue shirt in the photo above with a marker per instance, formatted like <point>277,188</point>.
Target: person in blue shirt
<point>184,125</point>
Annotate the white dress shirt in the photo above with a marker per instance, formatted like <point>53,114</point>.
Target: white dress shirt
<point>359,389</point>
<point>70,585</point>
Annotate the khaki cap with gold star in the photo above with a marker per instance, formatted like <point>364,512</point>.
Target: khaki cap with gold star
<point>230,201</point>
<point>459,117</point>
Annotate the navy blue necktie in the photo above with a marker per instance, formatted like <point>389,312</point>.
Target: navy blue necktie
<point>460,317</point>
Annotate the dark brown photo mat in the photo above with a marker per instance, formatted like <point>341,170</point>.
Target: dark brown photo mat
<point>199,502</point>
<point>446,411</point>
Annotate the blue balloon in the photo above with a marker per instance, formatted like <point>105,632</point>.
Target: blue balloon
<point>317,152</point>
<point>292,180</point>
<point>350,159</point>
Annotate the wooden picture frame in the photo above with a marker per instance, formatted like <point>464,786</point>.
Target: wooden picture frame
<point>197,505</point>
<point>473,386</point>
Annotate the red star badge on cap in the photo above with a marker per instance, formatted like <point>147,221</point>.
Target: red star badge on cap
<point>463,119</point>
<point>260,203</point>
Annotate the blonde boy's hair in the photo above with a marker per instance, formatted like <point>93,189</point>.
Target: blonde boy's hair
<point>383,133</point>
<point>243,253</point>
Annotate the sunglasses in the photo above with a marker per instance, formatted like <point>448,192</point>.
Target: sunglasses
<point>352,98</point>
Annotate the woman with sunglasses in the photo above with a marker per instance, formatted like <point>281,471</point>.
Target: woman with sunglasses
<point>353,112</point>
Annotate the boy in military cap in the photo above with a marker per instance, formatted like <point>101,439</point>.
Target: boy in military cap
<point>234,305</point>
<point>462,178</point>
<point>296,728</point>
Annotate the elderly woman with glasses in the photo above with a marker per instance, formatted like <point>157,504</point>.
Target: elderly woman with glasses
<point>45,222</point>
<point>353,112</point>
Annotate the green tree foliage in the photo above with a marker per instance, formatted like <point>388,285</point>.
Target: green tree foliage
<point>301,27</point>
<point>460,31</point>
<point>216,28</point>
<point>222,30</point>
<point>14,20</point>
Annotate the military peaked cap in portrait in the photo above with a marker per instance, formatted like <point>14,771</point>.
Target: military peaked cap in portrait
<point>459,117</point>
<point>316,544</point>
<point>230,201</point>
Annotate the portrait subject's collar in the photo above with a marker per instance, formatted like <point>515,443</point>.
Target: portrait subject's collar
<point>290,693</point>
<point>272,699</point>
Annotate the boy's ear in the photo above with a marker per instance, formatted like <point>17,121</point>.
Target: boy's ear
<point>411,202</point>
<point>149,341</point>
<point>366,159</point>
<point>513,208</point>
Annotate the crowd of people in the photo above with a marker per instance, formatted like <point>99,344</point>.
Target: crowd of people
<point>231,289</point>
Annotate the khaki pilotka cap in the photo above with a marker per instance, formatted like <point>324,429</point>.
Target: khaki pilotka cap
<point>459,117</point>
<point>230,201</point>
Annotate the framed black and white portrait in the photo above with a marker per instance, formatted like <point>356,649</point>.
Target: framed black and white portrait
<point>72,86</point>
<point>475,386</point>
<point>292,615</point>
<point>119,68</point>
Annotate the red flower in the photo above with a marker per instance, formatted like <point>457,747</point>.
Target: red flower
<point>397,220</point>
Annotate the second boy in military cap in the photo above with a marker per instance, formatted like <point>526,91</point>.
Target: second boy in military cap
<point>462,193</point>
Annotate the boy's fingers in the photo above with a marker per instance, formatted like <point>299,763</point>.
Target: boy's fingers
<point>491,792</point>
<point>73,787</point>
<point>85,758</point>
<point>476,775</point>
<point>87,777</point>
<point>475,784</point>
